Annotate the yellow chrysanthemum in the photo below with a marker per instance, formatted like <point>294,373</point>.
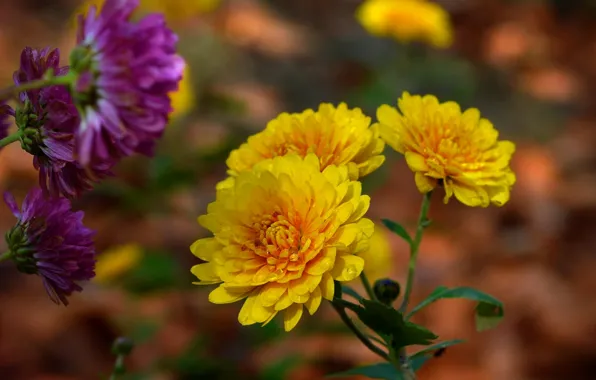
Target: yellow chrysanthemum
<point>283,231</point>
<point>377,258</point>
<point>337,135</point>
<point>117,261</point>
<point>407,21</point>
<point>444,146</point>
<point>184,98</point>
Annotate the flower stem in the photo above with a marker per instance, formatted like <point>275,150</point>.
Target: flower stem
<point>422,224</point>
<point>367,287</point>
<point>359,334</point>
<point>10,139</point>
<point>118,367</point>
<point>14,90</point>
<point>5,256</point>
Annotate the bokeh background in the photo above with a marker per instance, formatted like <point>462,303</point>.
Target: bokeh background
<point>529,66</point>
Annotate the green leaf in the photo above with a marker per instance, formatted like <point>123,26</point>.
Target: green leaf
<point>397,229</point>
<point>375,371</point>
<point>489,310</point>
<point>390,323</point>
<point>420,357</point>
<point>351,292</point>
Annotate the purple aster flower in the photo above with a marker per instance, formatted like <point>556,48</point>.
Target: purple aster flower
<point>51,241</point>
<point>51,119</point>
<point>125,72</point>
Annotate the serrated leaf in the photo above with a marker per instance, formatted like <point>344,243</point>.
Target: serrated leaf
<point>489,310</point>
<point>420,357</point>
<point>397,229</point>
<point>351,292</point>
<point>375,371</point>
<point>389,323</point>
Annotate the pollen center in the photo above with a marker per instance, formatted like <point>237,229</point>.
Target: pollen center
<point>278,245</point>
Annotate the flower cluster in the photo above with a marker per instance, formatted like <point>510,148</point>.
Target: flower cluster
<point>77,122</point>
<point>289,220</point>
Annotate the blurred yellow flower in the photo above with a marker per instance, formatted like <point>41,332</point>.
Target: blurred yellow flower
<point>446,147</point>
<point>337,135</point>
<point>283,232</point>
<point>116,262</point>
<point>183,100</point>
<point>179,10</point>
<point>173,10</point>
<point>378,260</point>
<point>407,21</point>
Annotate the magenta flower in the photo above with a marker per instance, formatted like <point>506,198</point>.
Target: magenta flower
<point>125,71</point>
<point>51,241</point>
<point>51,119</point>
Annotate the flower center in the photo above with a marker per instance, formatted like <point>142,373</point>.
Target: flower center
<point>278,242</point>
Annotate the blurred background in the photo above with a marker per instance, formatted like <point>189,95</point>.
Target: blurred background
<point>529,66</point>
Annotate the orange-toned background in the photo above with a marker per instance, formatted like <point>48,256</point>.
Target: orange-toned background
<point>530,66</point>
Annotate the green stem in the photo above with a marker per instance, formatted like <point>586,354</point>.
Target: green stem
<point>367,287</point>
<point>422,223</point>
<point>118,367</point>
<point>359,334</point>
<point>10,139</point>
<point>14,90</point>
<point>5,256</point>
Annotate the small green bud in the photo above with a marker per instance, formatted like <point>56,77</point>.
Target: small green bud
<point>386,290</point>
<point>122,346</point>
<point>21,251</point>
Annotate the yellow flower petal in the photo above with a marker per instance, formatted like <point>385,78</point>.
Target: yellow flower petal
<point>424,183</point>
<point>471,196</point>
<point>416,162</point>
<point>221,295</point>
<point>291,316</point>
<point>313,303</point>
<point>323,262</point>
<point>346,234</point>
<point>204,248</point>
<point>284,302</point>
<point>271,293</point>
<point>327,287</point>
<point>347,267</point>
<point>206,273</point>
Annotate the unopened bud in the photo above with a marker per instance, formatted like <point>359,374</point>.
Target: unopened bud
<point>386,290</point>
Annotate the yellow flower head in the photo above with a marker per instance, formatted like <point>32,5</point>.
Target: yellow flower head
<point>337,135</point>
<point>283,231</point>
<point>184,98</point>
<point>117,261</point>
<point>407,20</point>
<point>377,258</point>
<point>444,146</point>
